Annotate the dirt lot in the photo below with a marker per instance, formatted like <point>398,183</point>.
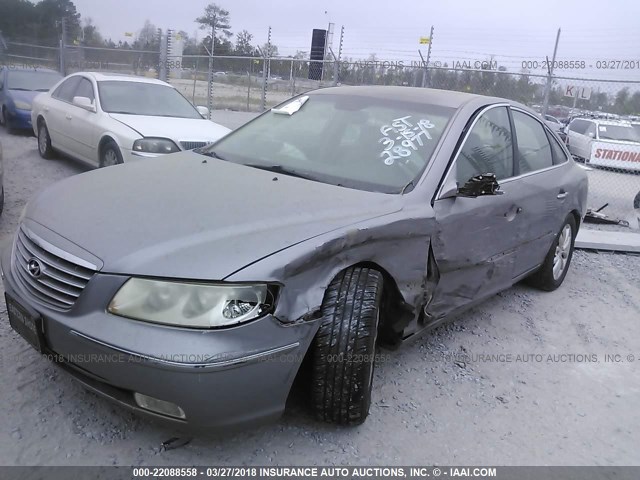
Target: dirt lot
<point>522,379</point>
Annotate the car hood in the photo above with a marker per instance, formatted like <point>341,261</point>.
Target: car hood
<point>23,96</point>
<point>178,129</point>
<point>190,216</point>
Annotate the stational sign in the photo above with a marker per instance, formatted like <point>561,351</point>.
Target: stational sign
<point>616,155</point>
<point>583,93</point>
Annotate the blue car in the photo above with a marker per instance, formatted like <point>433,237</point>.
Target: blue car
<point>18,88</point>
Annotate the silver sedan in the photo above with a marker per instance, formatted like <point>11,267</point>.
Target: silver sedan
<point>194,287</point>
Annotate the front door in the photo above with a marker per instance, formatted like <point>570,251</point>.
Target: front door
<point>477,239</point>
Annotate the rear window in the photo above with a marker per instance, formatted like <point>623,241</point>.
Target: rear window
<point>623,133</point>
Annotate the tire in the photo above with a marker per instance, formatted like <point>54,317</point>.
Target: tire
<point>110,154</point>
<point>1,199</point>
<point>44,141</point>
<point>636,201</point>
<point>344,347</point>
<point>3,116</point>
<point>561,250</point>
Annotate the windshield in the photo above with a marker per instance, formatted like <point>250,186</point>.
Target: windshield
<point>354,141</point>
<point>139,98</point>
<point>32,80</point>
<point>618,132</point>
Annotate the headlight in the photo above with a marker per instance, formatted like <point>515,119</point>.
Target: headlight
<point>199,305</point>
<point>155,145</point>
<point>20,105</point>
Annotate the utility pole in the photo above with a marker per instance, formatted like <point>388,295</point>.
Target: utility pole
<point>426,63</point>
<point>547,90</point>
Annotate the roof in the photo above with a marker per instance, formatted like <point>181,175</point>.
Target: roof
<point>429,96</point>
<point>120,77</point>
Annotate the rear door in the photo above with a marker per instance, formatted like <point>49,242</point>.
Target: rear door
<point>540,182</point>
<point>82,123</point>
<point>475,248</point>
<point>57,114</point>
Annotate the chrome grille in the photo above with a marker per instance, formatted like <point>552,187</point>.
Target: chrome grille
<point>192,145</point>
<point>60,282</point>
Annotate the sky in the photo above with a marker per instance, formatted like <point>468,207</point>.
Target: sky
<point>510,32</point>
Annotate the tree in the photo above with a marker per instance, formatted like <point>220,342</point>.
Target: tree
<point>147,38</point>
<point>270,50</point>
<point>243,44</point>
<point>49,13</point>
<point>216,18</point>
<point>90,34</point>
<point>622,97</point>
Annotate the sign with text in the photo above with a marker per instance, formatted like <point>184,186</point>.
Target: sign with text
<point>583,93</point>
<point>615,155</point>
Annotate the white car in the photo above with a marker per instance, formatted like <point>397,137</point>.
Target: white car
<point>605,143</point>
<point>106,119</point>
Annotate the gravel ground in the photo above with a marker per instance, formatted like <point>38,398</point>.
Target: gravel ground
<point>439,399</point>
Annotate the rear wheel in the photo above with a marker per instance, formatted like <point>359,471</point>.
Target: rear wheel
<point>344,347</point>
<point>3,116</point>
<point>636,201</point>
<point>556,264</point>
<point>44,141</point>
<point>110,154</point>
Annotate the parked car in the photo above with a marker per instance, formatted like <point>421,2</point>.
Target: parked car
<point>18,87</point>
<point>106,119</point>
<point>343,218</point>
<point>556,126</point>
<point>606,143</point>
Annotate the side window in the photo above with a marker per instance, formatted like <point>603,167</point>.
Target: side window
<point>558,153</point>
<point>579,126</point>
<point>488,148</point>
<point>534,150</point>
<point>591,130</point>
<point>66,89</point>
<point>85,89</point>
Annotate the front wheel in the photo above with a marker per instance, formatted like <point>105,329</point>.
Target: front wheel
<point>110,155</point>
<point>344,347</point>
<point>556,263</point>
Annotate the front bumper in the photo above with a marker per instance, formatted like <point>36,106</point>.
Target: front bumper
<point>219,378</point>
<point>19,119</point>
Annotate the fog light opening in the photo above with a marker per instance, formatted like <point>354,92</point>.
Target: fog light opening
<point>159,406</point>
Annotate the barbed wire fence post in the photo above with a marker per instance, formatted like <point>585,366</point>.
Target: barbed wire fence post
<point>336,64</point>
<point>63,46</point>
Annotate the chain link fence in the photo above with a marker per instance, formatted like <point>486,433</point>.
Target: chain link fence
<point>254,84</point>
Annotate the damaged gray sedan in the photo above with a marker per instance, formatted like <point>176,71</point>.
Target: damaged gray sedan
<point>192,287</point>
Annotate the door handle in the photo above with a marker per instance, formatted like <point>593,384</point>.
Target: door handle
<point>68,117</point>
<point>562,195</point>
<point>46,109</point>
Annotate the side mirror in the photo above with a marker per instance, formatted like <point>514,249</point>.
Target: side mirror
<point>85,103</point>
<point>591,135</point>
<point>484,184</point>
<point>202,110</point>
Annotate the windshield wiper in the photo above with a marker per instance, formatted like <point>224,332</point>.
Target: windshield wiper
<point>279,169</point>
<point>212,153</point>
<point>20,88</point>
